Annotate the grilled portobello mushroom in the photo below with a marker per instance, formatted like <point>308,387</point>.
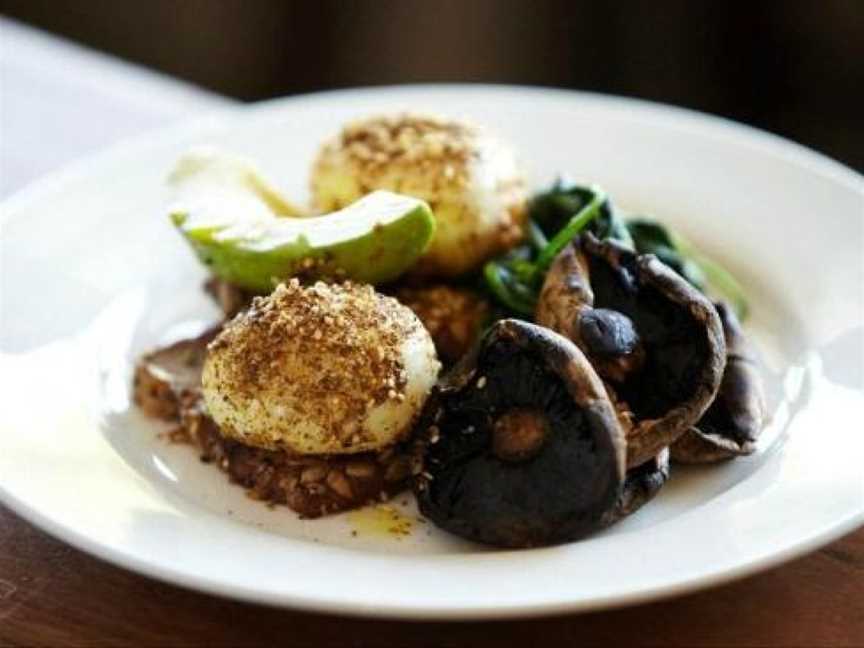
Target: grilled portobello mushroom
<point>732,423</point>
<point>655,340</point>
<point>519,444</point>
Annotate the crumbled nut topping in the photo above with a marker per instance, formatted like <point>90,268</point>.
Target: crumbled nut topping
<point>419,140</point>
<point>347,339</point>
<point>453,316</point>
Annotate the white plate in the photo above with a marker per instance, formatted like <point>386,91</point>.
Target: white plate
<point>92,274</point>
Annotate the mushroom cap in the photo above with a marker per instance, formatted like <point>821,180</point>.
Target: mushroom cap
<point>520,445</point>
<point>655,340</point>
<point>641,486</point>
<point>323,369</point>
<point>470,180</point>
<point>732,423</point>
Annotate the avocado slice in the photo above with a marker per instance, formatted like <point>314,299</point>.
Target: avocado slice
<point>237,235</point>
<point>205,169</point>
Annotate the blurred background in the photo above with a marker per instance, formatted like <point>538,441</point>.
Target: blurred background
<point>793,67</point>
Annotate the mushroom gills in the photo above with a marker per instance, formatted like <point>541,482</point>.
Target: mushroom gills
<point>654,339</point>
<point>520,445</point>
<point>673,350</point>
<point>731,425</point>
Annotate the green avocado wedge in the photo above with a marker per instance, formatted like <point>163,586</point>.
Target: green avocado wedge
<point>242,241</point>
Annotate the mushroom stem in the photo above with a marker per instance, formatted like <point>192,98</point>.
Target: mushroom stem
<point>518,434</point>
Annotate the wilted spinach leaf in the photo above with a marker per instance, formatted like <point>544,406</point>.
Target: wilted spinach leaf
<point>554,218</point>
<point>511,280</point>
<point>557,215</point>
<point>551,210</point>
<point>650,237</point>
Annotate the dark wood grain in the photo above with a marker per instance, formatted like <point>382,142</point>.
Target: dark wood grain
<point>53,595</point>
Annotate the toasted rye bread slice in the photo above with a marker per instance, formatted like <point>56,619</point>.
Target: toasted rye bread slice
<point>167,377</point>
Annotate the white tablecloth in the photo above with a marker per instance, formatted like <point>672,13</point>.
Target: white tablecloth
<point>59,101</point>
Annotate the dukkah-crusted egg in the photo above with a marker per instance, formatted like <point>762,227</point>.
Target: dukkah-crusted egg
<point>323,369</point>
<point>471,181</point>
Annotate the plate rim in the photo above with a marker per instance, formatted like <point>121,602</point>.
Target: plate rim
<point>354,609</point>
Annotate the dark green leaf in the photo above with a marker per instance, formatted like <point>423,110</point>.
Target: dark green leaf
<point>650,237</point>
<point>578,222</point>
<point>551,210</point>
<point>609,225</point>
<point>508,289</point>
<point>556,216</point>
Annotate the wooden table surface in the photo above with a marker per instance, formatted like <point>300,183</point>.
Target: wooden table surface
<point>54,595</point>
